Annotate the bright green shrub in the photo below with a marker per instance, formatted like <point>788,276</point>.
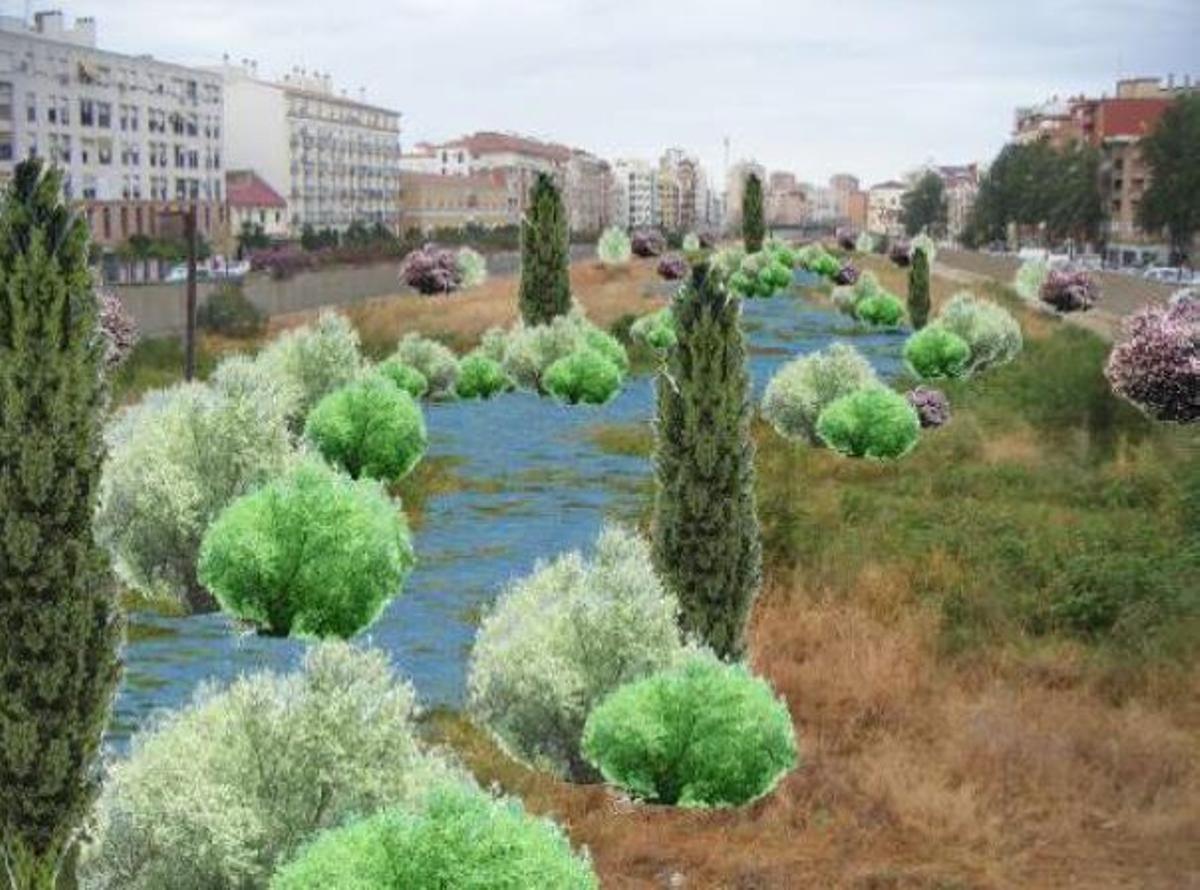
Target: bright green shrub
<point>991,332</point>
<point>315,360</point>
<point>407,378</point>
<point>800,390</point>
<point>369,428</point>
<point>847,297</point>
<point>935,352</point>
<point>175,461</point>
<point>472,267</point>
<point>559,640</point>
<point>459,840</point>
<point>526,352</point>
<point>585,376</point>
<point>701,734</point>
<point>437,363</point>
<point>481,377</point>
<point>880,310</point>
<point>312,553</point>
<point>614,247</point>
<point>608,346</point>
<point>872,422</point>
<point>214,796</point>
<point>656,330</point>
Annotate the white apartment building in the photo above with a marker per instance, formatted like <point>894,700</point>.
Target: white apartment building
<point>135,136</point>
<point>336,160</point>
<point>883,208</point>
<point>635,194</point>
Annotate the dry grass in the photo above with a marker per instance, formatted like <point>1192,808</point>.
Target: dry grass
<point>461,318</point>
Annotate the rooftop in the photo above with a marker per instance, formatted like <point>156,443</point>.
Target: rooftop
<point>245,188</point>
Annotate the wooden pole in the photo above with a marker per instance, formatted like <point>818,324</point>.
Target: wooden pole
<point>189,354</point>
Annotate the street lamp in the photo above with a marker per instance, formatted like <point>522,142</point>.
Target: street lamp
<point>178,222</point>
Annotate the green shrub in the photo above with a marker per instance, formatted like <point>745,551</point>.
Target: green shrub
<point>800,390</point>
<point>472,267</point>
<point>608,346</point>
<point>460,839</point>
<point>872,422</point>
<point>702,734</point>
<point>369,428</point>
<point>1029,280</point>
<point>880,310</point>
<point>935,352</point>
<point>437,363</point>
<point>614,247</point>
<point>228,311</point>
<point>407,378</point>
<point>214,796</point>
<point>315,360</point>
<point>560,639</point>
<point>847,297</point>
<point>991,332</point>
<point>656,330</point>
<point>481,377</point>
<point>585,376</point>
<point>312,553</point>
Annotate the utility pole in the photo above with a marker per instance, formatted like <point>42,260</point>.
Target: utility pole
<point>189,343</point>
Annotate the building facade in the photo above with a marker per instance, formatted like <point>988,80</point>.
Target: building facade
<point>883,209</point>
<point>432,201</point>
<point>786,203</point>
<point>253,203</point>
<point>588,181</point>
<point>136,138</point>
<point>635,194</point>
<point>962,187</point>
<point>735,188</point>
<point>335,159</point>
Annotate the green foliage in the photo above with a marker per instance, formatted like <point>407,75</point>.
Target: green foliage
<point>527,352</point>
<point>706,544</point>
<point>585,376</point>
<point>61,629</point>
<point>864,243</point>
<point>614,247</point>
<point>369,427</point>
<point>918,289</point>
<point>228,311</point>
<point>1029,279</point>
<point>691,243</point>
<point>923,207</point>
<point>404,376</point>
<point>802,388</point>
<point>459,839</point>
<point>315,359</point>
<point>559,640</point>
<point>435,362</point>
<point>545,283</point>
<point>176,460</point>
<point>656,330</point>
<point>481,377</point>
<point>871,422</point>
<point>753,224</point>
<point>936,352</point>
<point>215,796</point>
<point>472,267</point>
<point>880,310</point>
<point>701,734</point>
<point>847,297</point>
<point>991,332</point>
<point>608,346</point>
<point>1171,153</point>
<point>311,553</point>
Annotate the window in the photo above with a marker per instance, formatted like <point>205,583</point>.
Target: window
<point>6,98</point>
<point>52,110</point>
<point>104,152</point>
<point>31,107</point>
<point>6,147</point>
<point>103,114</point>
<point>87,112</point>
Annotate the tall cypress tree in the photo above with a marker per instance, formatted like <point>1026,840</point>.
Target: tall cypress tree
<point>545,255</point>
<point>59,627</point>
<point>753,227</point>
<point>705,533</point>
<point>918,289</point>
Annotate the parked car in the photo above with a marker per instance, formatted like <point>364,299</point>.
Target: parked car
<point>1170,275</point>
<point>215,269</point>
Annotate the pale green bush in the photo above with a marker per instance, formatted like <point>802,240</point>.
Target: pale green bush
<point>691,242</point>
<point>847,297</point>
<point>864,243</point>
<point>526,352</point>
<point>481,377</point>
<point>175,461</point>
<point>800,390</point>
<point>614,247</point>
<point>991,332</point>
<point>925,243</point>
<point>314,360</point>
<point>472,267</point>
<point>436,363</point>
<point>1029,280</point>
<point>562,638</point>
<point>241,377</point>
<point>215,796</point>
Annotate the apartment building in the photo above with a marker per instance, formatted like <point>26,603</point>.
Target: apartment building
<point>962,187</point>
<point>786,203</point>
<point>336,159</point>
<point>253,203</point>
<point>588,181</point>
<point>635,194</point>
<point>432,201</point>
<point>735,187</point>
<point>884,207</point>
<point>688,189</point>
<point>136,137</point>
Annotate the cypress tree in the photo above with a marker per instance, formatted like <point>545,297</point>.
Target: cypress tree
<point>545,255</point>
<point>753,227</point>
<point>706,541</point>
<point>59,627</point>
<point>918,289</point>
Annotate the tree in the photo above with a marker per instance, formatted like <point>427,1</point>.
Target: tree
<point>706,539</point>
<point>251,237</point>
<point>923,207</point>
<point>918,289</point>
<point>545,254</point>
<point>59,649</point>
<point>753,228</point>
<point>1172,155</point>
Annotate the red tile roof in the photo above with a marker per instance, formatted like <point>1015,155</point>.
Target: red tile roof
<point>492,143</point>
<point>245,188</point>
<point>1129,117</point>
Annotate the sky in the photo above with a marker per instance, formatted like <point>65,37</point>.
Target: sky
<point>869,87</point>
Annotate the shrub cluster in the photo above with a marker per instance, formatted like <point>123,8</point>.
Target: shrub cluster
<point>1029,279</point>
<point>872,422</point>
<point>431,270</point>
<point>434,361</point>
<point>648,243</point>
<point>802,388</point>
<point>404,376</point>
<point>228,311</point>
<point>656,330</point>
<point>931,405</point>
<point>369,428</point>
<point>864,243</point>
<point>882,310</point>
<point>761,274</point>
<point>481,377</point>
<point>991,332</point>
<point>701,734</point>
<point>614,247</point>
<point>311,553</point>
<point>559,640</point>
<point>673,267</point>
<point>585,376</point>
<point>313,361</point>
<point>847,275</point>
<point>1070,290</point>
<point>472,267</point>
<point>900,254</point>
<point>937,352</point>
<point>1157,364</point>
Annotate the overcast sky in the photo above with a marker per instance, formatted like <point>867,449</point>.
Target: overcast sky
<point>871,87</point>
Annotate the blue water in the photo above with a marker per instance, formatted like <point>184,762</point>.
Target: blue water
<point>531,484</point>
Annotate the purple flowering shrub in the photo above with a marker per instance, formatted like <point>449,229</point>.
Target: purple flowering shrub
<point>1070,290</point>
<point>431,270</point>
<point>118,328</point>
<point>847,275</point>
<point>846,240</point>
<point>932,406</point>
<point>1157,365</point>
<point>900,254</point>
<point>673,267</point>
<point>648,243</point>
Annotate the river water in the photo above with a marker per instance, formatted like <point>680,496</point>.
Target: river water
<point>524,479</point>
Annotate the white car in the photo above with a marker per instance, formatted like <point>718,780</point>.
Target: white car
<point>1169,275</point>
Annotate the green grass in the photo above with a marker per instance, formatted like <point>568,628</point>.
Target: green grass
<point>154,363</point>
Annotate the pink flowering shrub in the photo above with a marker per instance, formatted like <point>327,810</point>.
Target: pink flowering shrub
<point>648,243</point>
<point>1157,365</point>
<point>118,328</point>
<point>1070,290</point>
<point>673,267</point>
<point>932,406</point>
<point>431,270</point>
